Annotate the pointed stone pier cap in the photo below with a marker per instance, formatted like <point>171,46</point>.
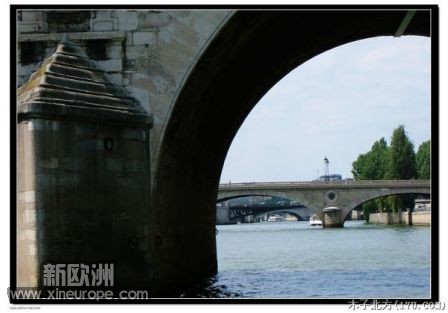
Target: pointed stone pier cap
<point>69,84</point>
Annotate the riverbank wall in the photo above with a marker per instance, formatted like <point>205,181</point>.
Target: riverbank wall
<point>422,218</point>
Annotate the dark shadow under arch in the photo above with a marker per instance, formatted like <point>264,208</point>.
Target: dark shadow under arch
<point>248,56</point>
<point>248,195</point>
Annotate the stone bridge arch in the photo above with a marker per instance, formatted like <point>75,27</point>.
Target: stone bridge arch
<point>302,199</point>
<point>363,198</point>
<point>227,214</point>
<point>250,53</point>
<point>300,214</point>
<point>235,195</point>
<point>223,196</point>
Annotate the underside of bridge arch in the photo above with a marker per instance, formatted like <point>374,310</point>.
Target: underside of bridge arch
<point>226,197</point>
<point>297,216</point>
<point>248,56</point>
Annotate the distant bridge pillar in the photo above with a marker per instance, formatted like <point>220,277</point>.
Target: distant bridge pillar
<point>332,217</point>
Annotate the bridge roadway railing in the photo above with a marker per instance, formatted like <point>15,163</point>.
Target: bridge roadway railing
<point>412,183</point>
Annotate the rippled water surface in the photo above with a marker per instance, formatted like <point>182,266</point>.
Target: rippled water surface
<point>295,260</point>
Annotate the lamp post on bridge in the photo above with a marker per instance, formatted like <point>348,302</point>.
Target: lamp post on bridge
<point>326,162</point>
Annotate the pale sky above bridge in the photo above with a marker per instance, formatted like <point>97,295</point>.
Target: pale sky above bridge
<point>336,105</point>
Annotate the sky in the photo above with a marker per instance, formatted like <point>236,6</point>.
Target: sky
<point>336,105</point>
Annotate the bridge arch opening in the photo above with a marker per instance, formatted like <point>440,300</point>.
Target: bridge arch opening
<point>238,208</point>
<point>357,204</point>
<point>230,77</point>
<point>298,217</point>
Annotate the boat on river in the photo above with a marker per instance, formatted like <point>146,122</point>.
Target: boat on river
<point>275,218</point>
<point>315,221</point>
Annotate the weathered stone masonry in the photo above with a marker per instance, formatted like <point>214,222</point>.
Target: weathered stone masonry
<point>83,172</point>
<point>149,52</point>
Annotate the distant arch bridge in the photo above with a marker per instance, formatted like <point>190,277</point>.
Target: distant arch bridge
<point>332,201</point>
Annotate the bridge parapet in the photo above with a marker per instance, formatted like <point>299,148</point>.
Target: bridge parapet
<point>327,184</point>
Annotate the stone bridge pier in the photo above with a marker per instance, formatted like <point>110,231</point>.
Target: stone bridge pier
<point>84,172</point>
<point>332,217</point>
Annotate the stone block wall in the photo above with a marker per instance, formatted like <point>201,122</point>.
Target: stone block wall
<point>387,218</point>
<point>421,218</point>
<point>406,218</point>
<point>83,196</point>
<point>149,52</point>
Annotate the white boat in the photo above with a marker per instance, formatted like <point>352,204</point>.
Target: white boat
<point>275,218</point>
<point>315,221</point>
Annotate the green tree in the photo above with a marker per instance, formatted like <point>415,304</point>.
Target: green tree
<point>358,167</point>
<point>378,155</point>
<point>401,165</point>
<point>397,161</point>
<point>423,160</point>
<point>372,165</point>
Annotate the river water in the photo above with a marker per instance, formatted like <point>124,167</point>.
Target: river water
<point>295,260</point>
